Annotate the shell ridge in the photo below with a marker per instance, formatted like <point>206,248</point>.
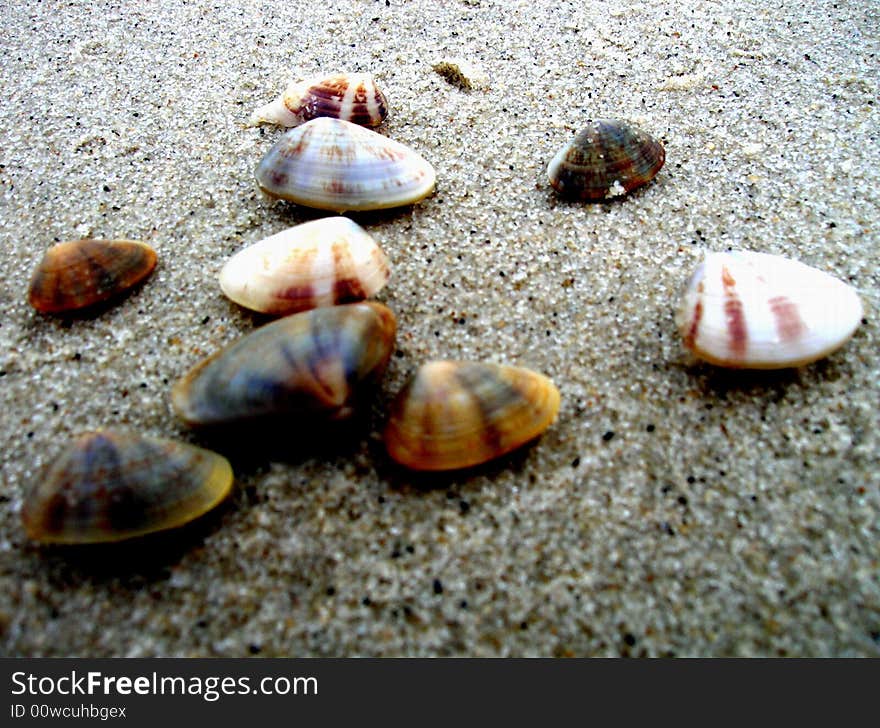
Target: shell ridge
<point>489,433</point>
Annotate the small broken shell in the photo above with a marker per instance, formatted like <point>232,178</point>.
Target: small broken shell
<point>456,414</point>
<point>317,363</point>
<point>319,263</point>
<point>332,164</point>
<point>607,158</point>
<point>461,73</point>
<point>759,311</point>
<point>112,485</point>
<point>354,97</point>
<point>81,273</point>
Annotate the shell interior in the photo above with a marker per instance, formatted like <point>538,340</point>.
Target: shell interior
<point>81,273</point>
<point>761,311</point>
<point>319,263</point>
<point>113,485</point>
<point>456,414</point>
<point>607,158</point>
<point>315,363</point>
<point>332,164</point>
<point>354,97</point>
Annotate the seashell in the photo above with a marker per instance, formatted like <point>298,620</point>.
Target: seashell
<point>81,273</point>
<point>319,263</point>
<point>461,73</point>
<point>606,159</point>
<point>314,363</point>
<point>112,485</point>
<point>456,414</point>
<point>760,311</point>
<point>335,165</point>
<point>354,97</point>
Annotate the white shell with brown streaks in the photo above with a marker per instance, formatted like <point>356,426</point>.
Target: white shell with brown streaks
<point>319,263</point>
<point>335,165</point>
<point>354,97</point>
<point>759,311</point>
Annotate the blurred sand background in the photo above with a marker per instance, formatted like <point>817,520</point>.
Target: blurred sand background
<point>673,509</point>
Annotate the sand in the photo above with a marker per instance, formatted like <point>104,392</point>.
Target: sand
<point>673,509</point>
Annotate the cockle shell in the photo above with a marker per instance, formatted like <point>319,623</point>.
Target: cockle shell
<point>456,414</point>
<point>317,363</point>
<point>112,485</point>
<point>606,159</point>
<point>332,164</point>
<point>81,273</point>
<point>761,311</point>
<point>318,263</point>
<point>354,97</point>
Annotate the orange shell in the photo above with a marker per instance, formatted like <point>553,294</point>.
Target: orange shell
<point>81,273</point>
<point>455,414</point>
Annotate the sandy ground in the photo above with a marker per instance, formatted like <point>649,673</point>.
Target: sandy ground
<point>673,509</point>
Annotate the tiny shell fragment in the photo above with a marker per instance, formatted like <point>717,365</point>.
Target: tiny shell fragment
<point>461,73</point>
<point>455,414</point>
<point>319,263</point>
<point>112,485</point>
<point>81,273</point>
<point>759,311</point>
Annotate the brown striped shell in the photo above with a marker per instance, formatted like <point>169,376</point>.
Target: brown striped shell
<point>312,365</point>
<point>455,414</point>
<point>759,311</point>
<point>112,485</point>
<point>608,158</point>
<point>334,165</point>
<point>81,273</point>
<point>319,263</point>
<point>354,97</point>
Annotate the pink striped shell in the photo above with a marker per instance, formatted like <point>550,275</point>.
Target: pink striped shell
<point>759,311</point>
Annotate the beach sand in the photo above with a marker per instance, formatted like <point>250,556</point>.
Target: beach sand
<point>673,509</point>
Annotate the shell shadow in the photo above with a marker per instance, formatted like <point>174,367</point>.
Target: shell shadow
<point>554,199</point>
<point>292,214</point>
<point>66,319</point>
<point>400,478</point>
<point>251,446</point>
<point>719,382</point>
<point>132,563</point>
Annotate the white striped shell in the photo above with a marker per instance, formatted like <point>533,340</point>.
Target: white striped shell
<point>334,165</point>
<point>354,97</point>
<point>319,263</point>
<point>760,311</point>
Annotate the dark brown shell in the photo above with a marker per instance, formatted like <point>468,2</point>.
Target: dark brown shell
<point>608,158</point>
<point>81,273</point>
